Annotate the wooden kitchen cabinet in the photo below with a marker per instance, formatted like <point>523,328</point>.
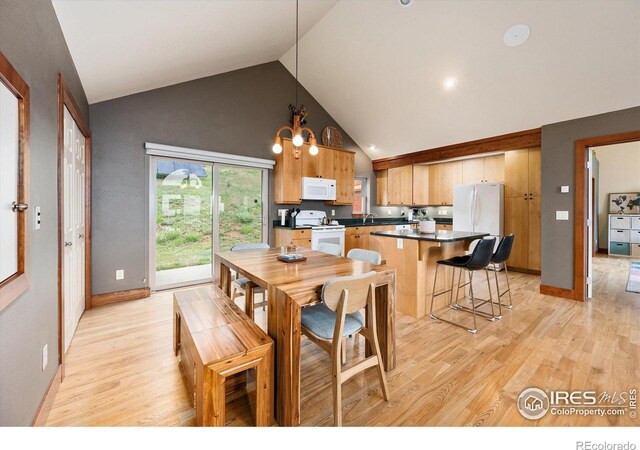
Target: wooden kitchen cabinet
<point>444,227</point>
<point>356,241</point>
<point>400,185</point>
<point>442,178</point>
<point>343,164</point>
<point>381,188</point>
<point>483,170</point>
<point>287,236</point>
<point>320,165</point>
<point>522,208</point>
<point>287,176</point>
<point>420,185</point>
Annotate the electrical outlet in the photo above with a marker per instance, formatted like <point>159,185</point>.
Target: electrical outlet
<point>333,212</point>
<point>45,356</point>
<point>400,243</point>
<point>442,212</point>
<point>36,218</point>
<point>562,215</point>
<point>388,211</point>
<point>120,274</point>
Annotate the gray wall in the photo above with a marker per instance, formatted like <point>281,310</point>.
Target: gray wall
<point>31,38</point>
<point>236,112</point>
<point>558,168</point>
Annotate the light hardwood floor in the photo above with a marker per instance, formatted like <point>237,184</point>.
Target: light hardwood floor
<point>120,368</point>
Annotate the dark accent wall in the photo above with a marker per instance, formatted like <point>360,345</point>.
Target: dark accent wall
<point>236,112</point>
<point>558,168</point>
<point>31,38</point>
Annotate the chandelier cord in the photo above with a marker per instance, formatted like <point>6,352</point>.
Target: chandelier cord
<point>297,53</point>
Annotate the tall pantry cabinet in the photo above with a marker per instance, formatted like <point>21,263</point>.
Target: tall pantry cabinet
<point>522,171</point>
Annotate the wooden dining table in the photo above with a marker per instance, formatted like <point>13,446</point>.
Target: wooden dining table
<point>291,287</point>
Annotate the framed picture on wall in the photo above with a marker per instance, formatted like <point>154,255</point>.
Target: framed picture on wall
<point>627,203</point>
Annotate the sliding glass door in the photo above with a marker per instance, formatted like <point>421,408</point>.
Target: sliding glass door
<point>196,209</point>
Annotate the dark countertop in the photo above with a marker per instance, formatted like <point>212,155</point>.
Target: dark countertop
<point>376,222</point>
<point>440,236</point>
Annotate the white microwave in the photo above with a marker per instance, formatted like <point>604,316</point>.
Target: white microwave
<point>318,189</point>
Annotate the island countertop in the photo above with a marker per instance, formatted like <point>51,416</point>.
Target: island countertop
<point>438,236</point>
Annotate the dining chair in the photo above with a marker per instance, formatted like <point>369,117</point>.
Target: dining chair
<point>365,255</point>
<point>239,284</point>
<point>329,322</point>
<point>332,249</point>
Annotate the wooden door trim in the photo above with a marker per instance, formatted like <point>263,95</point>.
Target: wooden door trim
<point>504,142</point>
<point>65,98</point>
<point>14,286</point>
<point>580,248</point>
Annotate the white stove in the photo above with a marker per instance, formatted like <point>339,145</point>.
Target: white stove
<point>332,234</point>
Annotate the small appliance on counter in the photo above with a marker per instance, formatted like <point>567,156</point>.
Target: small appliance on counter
<point>332,234</point>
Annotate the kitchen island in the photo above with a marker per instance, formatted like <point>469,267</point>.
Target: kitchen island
<point>414,256</point>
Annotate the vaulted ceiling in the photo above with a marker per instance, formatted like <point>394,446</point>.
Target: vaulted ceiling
<point>378,68</point>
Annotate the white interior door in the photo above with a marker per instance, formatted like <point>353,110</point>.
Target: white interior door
<point>74,227</point>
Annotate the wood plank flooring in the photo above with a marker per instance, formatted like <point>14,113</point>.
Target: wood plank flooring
<point>121,369</point>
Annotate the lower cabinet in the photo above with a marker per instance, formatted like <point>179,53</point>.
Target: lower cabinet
<point>356,241</point>
<point>444,227</point>
<point>286,236</point>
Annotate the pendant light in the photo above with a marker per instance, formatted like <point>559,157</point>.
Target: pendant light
<point>299,113</point>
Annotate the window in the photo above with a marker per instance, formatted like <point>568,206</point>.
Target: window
<point>14,192</point>
<point>360,196</point>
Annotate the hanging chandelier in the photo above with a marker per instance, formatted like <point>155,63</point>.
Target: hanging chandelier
<point>298,121</point>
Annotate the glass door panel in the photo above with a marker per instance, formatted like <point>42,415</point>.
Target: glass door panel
<point>183,226</point>
<point>241,208</point>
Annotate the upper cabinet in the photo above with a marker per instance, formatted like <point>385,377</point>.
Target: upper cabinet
<point>522,177</point>
<point>320,165</point>
<point>381,187</point>
<point>344,174</point>
<point>400,186</point>
<point>287,176</point>
<point>420,185</point>
<point>442,178</point>
<point>483,170</point>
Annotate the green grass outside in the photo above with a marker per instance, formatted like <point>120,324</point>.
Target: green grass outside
<point>184,239</point>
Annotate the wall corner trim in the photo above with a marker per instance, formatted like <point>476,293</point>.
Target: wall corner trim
<point>120,296</point>
<point>47,402</point>
<point>557,292</point>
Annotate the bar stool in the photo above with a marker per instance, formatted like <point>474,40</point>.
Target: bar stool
<point>479,259</point>
<point>500,256</point>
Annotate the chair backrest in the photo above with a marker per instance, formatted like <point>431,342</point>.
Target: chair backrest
<point>503,251</point>
<point>332,249</point>
<point>252,246</point>
<point>359,288</point>
<point>481,256</point>
<point>365,255</point>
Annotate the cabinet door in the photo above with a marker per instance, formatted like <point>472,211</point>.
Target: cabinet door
<point>406,185</point>
<point>534,234</point>
<point>306,243</point>
<point>394,186</point>
<point>473,171</point>
<point>326,157</point>
<point>516,173</point>
<point>535,171</point>
<point>344,171</point>
<point>310,165</point>
<point>453,175</point>
<point>350,242</point>
<point>287,176</point>
<point>516,219</point>
<point>381,188</point>
<point>494,169</point>
<point>436,174</point>
<point>420,185</point>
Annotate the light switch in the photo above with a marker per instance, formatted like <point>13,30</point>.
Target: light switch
<point>564,189</point>
<point>562,215</point>
<point>119,274</point>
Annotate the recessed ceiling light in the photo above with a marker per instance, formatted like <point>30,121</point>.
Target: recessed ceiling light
<point>405,3</point>
<point>516,35</point>
<point>372,147</point>
<point>450,82</point>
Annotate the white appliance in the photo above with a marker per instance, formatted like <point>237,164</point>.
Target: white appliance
<point>332,234</point>
<point>318,189</point>
<point>479,208</point>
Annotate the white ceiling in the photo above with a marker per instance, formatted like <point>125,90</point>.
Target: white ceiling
<point>376,67</point>
<point>125,46</point>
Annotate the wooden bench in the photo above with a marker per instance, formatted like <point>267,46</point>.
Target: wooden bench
<point>214,341</point>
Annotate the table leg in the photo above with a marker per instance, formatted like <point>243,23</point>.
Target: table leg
<point>249,299</point>
<point>225,279</point>
<point>386,324</point>
<point>284,329</point>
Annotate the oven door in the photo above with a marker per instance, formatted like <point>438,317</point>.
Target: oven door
<point>328,236</point>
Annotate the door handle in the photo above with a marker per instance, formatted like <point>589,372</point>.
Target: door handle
<point>68,244</point>
<point>15,207</point>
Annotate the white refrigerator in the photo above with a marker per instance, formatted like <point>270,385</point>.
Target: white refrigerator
<point>479,208</point>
